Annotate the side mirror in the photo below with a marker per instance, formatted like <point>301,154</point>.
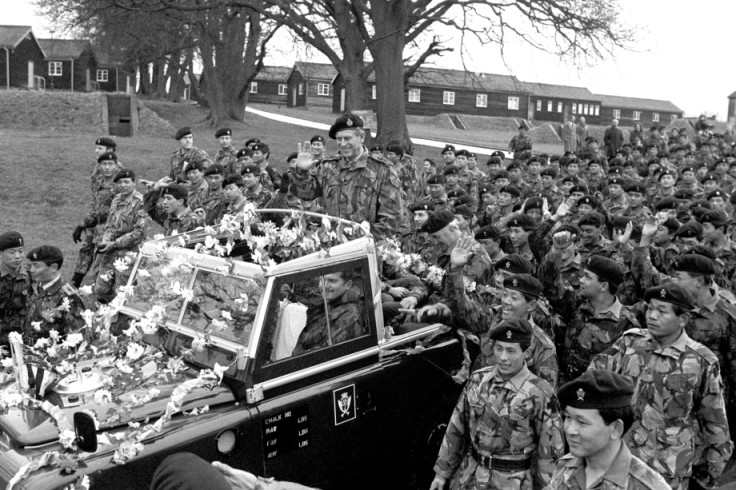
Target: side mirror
<point>86,430</point>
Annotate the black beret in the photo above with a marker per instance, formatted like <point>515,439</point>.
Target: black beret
<point>464,199</point>
<point>606,269</point>
<point>515,264</point>
<point>567,162</point>
<point>436,179</point>
<point>687,168</point>
<point>10,239</point>
<point>710,176</point>
<point>617,181</point>
<point>512,190</point>
<point>706,252</point>
<point>700,203</point>
<point>549,171</point>
<point>717,217</point>
<point>499,154</point>
<point>670,292</point>
<point>375,148</point>
<point>438,220</point>
<point>317,137</point>
<point>515,165</point>
<point>451,170</point>
<point>245,152</point>
<point>533,203</point>
<point>422,206</point>
<point>396,149</point>
<point>694,264</point>
<point>591,219</point>
<point>534,159</point>
<point>106,141</point>
<point>691,229</point>
<point>346,121</point>
<point>516,331</point>
<point>488,232</point>
<point>594,161</point>
<point>524,283</point>
<point>684,194</point>
<point>716,193</point>
<point>523,126</point>
<point>489,189</point>
<point>45,253</point>
<point>597,389</point>
<point>124,174</point>
<point>457,193</point>
<point>448,148</point>
<point>251,169</point>
<point>667,203</point>
<point>179,191</point>
<point>494,161</point>
<point>590,201</point>
<point>501,174</point>
<point>462,152</point>
<point>671,224</point>
<point>262,147</point>
<point>189,166</point>
<point>108,155</point>
<point>522,221</point>
<point>667,172</point>
<point>582,188</point>
<point>292,156</point>
<point>223,132</point>
<point>185,131</point>
<point>636,187</point>
<point>233,179</point>
<point>214,169</point>
<point>620,222</point>
<point>251,141</point>
<point>464,211</point>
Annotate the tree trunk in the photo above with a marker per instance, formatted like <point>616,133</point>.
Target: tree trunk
<point>145,79</point>
<point>174,74</point>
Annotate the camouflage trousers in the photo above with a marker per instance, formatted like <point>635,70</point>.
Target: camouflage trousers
<point>86,253</point>
<point>107,278</point>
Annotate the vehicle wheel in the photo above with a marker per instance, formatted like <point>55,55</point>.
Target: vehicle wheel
<point>424,449</point>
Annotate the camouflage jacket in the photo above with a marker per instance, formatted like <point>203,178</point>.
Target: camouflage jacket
<point>99,207</point>
<point>55,307</point>
<point>603,247</point>
<point>614,207</point>
<point>343,318</point>
<point>226,157</point>
<point>260,196</point>
<point>419,242</point>
<point>637,216</point>
<point>680,426</point>
<point>407,171</point>
<point>181,157</point>
<point>520,144</point>
<point>627,472</point>
<point>211,203</point>
<point>469,183</point>
<point>15,287</point>
<point>126,222</point>
<point>185,221</point>
<point>365,189</point>
<point>504,419</point>
<point>197,194</point>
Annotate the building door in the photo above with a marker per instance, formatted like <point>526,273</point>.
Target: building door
<point>31,74</point>
<point>87,81</point>
<point>342,99</point>
<point>293,97</point>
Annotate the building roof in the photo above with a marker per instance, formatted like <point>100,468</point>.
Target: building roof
<point>64,48</point>
<point>559,91</point>
<point>316,71</point>
<point>441,77</point>
<point>273,74</point>
<point>11,36</point>
<point>732,96</point>
<point>617,102</point>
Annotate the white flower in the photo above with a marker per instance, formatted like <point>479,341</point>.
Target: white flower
<point>226,315</point>
<point>121,264</point>
<point>65,305</point>
<point>6,362</point>
<point>198,344</point>
<point>219,325</point>
<point>41,343</point>
<point>15,338</point>
<point>326,223</point>
<point>147,326</point>
<point>158,236</point>
<point>182,241</point>
<point>67,438</point>
<point>86,290</point>
<point>128,291</point>
<point>73,339</point>
<point>12,399</point>
<point>219,371</point>
<point>64,367</point>
<point>135,351</point>
<point>102,396</point>
<point>106,276</point>
<point>88,316</point>
<point>143,273</point>
<point>210,241</point>
<point>54,334</point>
<point>36,326</point>
<point>52,351</point>
<point>123,366</point>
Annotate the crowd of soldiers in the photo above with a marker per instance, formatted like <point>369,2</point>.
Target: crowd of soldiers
<point>594,286</point>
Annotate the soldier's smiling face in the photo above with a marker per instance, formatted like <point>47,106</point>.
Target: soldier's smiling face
<point>232,192</point>
<point>420,217</point>
<point>587,433</point>
<point>349,143</point>
<point>514,305</point>
<point>510,358</point>
<point>334,286</point>
<point>125,186</point>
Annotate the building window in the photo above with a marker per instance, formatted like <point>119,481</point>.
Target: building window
<point>415,95</point>
<point>574,108</point>
<point>539,106</point>
<point>617,113</point>
<point>254,87</point>
<point>102,76</point>
<point>301,89</point>
<point>549,106</point>
<point>586,108</point>
<point>323,89</point>
<point>673,117</point>
<point>559,107</point>
<point>373,92</point>
<point>637,115</point>
<point>282,89</point>
<point>54,68</point>
<point>481,100</point>
<point>513,104</point>
<point>580,108</point>
<point>655,116</point>
<point>597,110</point>
<point>448,98</point>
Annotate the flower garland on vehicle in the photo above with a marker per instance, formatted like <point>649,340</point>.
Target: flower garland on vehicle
<point>389,250</point>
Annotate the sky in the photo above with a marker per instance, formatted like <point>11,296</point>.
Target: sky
<point>682,54</point>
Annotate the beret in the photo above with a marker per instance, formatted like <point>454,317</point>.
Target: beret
<point>499,154</point>
<point>464,199</point>
<point>715,216</point>
<point>606,269</point>
<point>457,193</point>
<point>522,221</point>
<point>620,222</point>
<point>524,283</point>
<point>108,155</point>
<point>488,232</point>
<point>663,154</point>
<point>10,239</point>
<point>422,206</point>
<point>516,331</point>
<point>636,187</point>
<point>251,141</point>
<point>700,203</point>
<point>569,161</point>
<point>549,171</point>
<point>671,224</point>
<point>590,201</point>
<point>189,166</point>
<point>617,181</point>
<point>535,159</point>
<point>501,174</point>
<point>533,203</point>
<point>489,189</point>
<point>702,250</point>
<point>436,179</point>
<point>523,125</point>
<point>670,292</point>
<point>292,156</point>
<point>223,132</point>
<point>594,161</point>
<point>45,253</point>
<point>591,219</point>
<point>666,203</point>
<point>397,149</point>
<point>583,189</point>
<point>214,169</point>
<point>124,174</point>
<point>462,152</point>
<point>691,229</point>
<point>667,172</point>
<point>448,148</point>
<point>451,170</point>
<point>464,211</point>
<point>252,169</point>
<point>597,389</point>
<point>615,171</point>
<point>684,194</point>
<point>233,179</point>
<point>494,161</point>
<point>181,132</point>
<point>106,141</point>
<point>716,193</point>
<point>512,190</point>
<point>732,164</point>
<point>346,121</point>
<point>317,137</point>
<point>177,190</point>
<point>438,220</point>
<point>260,146</point>
<point>710,176</point>
<point>515,264</point>
<point>244,152</point>
<point>694,264</point>
<point>514,165</point>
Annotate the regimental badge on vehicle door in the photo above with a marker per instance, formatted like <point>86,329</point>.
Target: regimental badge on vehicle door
<point>344,404</point>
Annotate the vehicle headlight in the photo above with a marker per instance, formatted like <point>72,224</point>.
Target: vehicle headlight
<point>226,441</point>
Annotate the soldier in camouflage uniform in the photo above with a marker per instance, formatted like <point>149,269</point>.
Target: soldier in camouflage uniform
<point>196,184</point>
<point>680,427</point>
<point>254,191</point>
<point>504,416</point>
<point>102,145</point>
<point>521,142</point>
<point>15,285</point>
<point>90,231</point>
<point>233,200</point>
<point>174,215</point>
<point>597,411</point>
<point>592,241</point>
<point>418,241</point>
<point>226,155</point>
<point>123,231</point>
<point>270,179</point>
<point>355,186</point>
<point>404,166</point>
<point>185,154</point>
<point>616,202</point>
<point>467,179</point>
<point>636,211</point>
<point>54,304</point>
<point>211,201</point>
